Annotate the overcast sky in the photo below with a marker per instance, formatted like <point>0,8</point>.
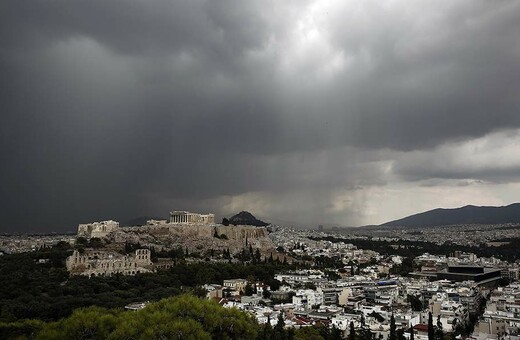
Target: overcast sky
<point>309,112</point>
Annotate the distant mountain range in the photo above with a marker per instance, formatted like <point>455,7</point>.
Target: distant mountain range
<point>246,218</point>
<point>469,214</point>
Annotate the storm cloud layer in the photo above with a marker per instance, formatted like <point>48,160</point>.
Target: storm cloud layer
<point>345,112</point>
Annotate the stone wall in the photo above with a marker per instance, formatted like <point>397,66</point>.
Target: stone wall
<point>107,263</point>
<point>97,229</point>
<point>200,230</point>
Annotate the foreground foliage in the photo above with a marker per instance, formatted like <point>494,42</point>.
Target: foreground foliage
<point>181,317</point>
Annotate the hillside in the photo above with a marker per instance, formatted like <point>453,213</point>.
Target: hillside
<point>469,214</point>
<point>246,218</point>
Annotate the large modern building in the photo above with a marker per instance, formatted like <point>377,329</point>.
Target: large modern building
<point>187,217</point>
<point>480,275</point>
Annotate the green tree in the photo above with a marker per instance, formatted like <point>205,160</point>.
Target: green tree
<point>400,334</point>
<point>84,323</point>
<point>20,329</point>
<point>415,302</point>
<point>279,329</point>
<point>182,317</point>
<point>431,330</point>
<point>258,256</point>
<point>96,243</point>
<point>439,334</point>
<point>392,335</point>
<point>352,331</point>
<point>308,333</point>
<point>267,331</point>
<point>81,241</point>
<point>335,333</point>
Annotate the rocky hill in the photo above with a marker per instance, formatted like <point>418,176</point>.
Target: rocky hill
<point>246,218</point>
<point>469,214</point>
<point>196,237</point>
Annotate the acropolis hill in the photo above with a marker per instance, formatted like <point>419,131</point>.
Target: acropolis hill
<point>197,232</point>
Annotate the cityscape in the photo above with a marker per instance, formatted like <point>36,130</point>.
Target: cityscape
<point>370,282</point>
<point>260,170</point>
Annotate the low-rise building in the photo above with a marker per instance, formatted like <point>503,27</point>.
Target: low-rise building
<point>238,285</point>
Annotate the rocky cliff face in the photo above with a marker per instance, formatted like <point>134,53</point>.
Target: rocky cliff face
<point>195,237</point>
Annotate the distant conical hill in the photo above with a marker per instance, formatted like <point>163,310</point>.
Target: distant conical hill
<point>246,218</point>
<point>469,214</point>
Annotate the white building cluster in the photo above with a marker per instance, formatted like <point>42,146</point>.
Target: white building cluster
<point>501,319</point>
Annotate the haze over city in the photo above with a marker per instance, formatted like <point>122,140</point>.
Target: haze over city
<point>308,112</point>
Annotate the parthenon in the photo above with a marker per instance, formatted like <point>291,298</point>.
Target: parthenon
<point>186,217</point>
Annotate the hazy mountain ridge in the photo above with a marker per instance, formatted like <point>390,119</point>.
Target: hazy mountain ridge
<point>469,214</point>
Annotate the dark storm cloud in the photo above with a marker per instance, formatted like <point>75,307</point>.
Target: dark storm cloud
<point>117,109</point>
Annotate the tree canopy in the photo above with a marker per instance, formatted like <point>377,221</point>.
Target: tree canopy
<point>180,317</point>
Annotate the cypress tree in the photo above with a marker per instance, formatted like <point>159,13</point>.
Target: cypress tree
<point>431,330</point>
<point>392,335</point>
<point>352,332</point>
<point>439,334</point>
<point>279,331</point>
